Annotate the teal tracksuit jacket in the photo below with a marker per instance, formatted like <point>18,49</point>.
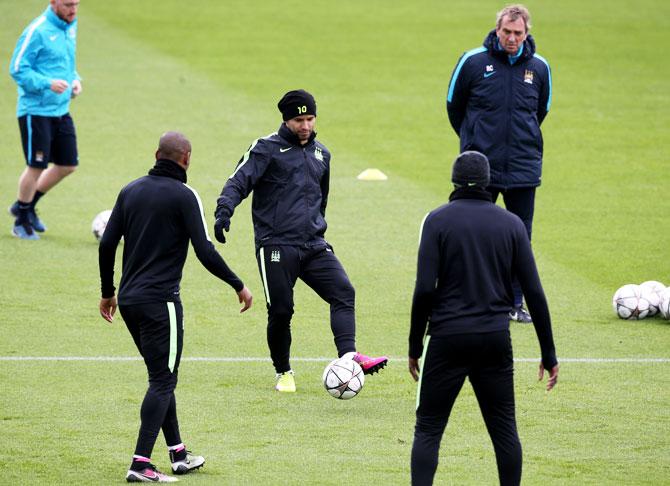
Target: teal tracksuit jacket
<point>45,51</point>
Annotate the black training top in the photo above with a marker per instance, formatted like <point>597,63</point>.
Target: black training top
<point>157,215</point>
<point>469,251</point>
<point>290,183</point>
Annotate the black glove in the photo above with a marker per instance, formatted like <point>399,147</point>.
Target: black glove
<point>220,225</point>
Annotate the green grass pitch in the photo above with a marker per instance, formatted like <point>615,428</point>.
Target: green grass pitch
<point>380,72</point>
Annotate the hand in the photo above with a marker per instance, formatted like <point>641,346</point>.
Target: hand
<point>553,376</point>
<point>59,86</point>
<point>76,88</point>
<point>245,296</point>
<point>414,368</point>
<point>220,225</point>
<point>108,308</point>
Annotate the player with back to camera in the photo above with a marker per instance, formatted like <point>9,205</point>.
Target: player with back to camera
<point>44,68</point>
<point>289,174</point>
<point>469,251</point>
<point>157,215</point>
<point>498,96</point>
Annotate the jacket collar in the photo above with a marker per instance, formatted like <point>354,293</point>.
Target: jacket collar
<point>56,20</point>
<point>470,193</point>
<point>292,138</point>
<point>527,49</point>
<point>168,168</point>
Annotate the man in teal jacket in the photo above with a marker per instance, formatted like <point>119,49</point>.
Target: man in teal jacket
<point>43,66</point>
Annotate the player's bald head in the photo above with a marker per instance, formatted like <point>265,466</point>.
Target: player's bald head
<point>173,146</point>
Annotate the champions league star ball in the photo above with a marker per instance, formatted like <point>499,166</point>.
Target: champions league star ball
<point>628,303</point>
<point>100,223</point>
<point>652,290</point>
<point>664,303</point>
<point>343,378</point>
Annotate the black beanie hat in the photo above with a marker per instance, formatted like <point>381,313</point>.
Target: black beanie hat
<point>471,168</point>
<point>297,103</point>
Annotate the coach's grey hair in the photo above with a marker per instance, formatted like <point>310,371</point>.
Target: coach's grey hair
<point>514,12</point>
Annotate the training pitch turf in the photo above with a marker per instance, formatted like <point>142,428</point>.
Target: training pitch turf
<point>379,71</point>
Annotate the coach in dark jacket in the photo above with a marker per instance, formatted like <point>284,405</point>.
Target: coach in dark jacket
<point>469,250</point>
<point>498,96</point>
<point>157,215</point>
<point>289,173</point>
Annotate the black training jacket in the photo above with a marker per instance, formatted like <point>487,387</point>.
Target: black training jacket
<point>290,184</point>
<point>496,107</point>
<point>157,215</point>
<point>468,253</point>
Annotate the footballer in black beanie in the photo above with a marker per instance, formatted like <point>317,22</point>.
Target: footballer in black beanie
<point>297,103</point>
<point>471,168</point>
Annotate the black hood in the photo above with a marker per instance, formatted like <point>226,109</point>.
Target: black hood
<point>491,43</point>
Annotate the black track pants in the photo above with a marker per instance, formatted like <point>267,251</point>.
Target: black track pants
<point>486,359</point>
<point>158,332</point>
<point>520,201</point>
<point>319,268</point>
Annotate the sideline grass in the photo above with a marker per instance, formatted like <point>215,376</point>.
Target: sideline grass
<point>251,435</point>
<point>380,72</point>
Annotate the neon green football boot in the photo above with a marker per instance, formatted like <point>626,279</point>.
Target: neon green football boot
<point>285,382</point>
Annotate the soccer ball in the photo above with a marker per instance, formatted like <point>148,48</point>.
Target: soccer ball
<point>628,303</point>
<point>652,290</point>
<point>664,304</point>
<point>343,378</point>
<point>100,223</point>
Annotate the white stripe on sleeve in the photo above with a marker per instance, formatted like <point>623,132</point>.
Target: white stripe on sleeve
<point>423,222</point>
<point>202,214</point>
<point>248,153</point>
<point>26,41</point>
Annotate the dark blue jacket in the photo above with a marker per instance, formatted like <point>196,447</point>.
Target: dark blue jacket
<point>469,251</point>
<point>496,105</point>
<point>290,183</point>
